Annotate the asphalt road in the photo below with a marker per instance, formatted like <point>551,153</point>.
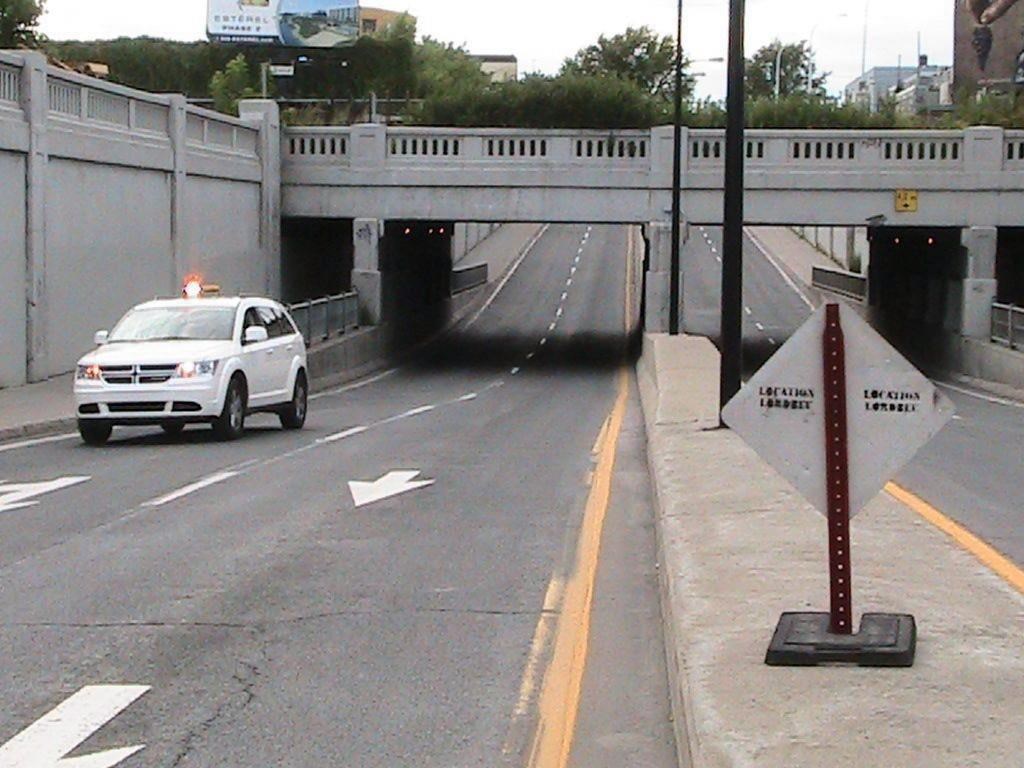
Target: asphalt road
<point>971,472</point>
<point>276,623</point>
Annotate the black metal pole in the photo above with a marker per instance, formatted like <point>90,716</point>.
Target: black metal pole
<point>732,241</point>
<point>677,180</point>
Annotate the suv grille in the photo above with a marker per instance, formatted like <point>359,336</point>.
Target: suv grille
<point>137,374</point>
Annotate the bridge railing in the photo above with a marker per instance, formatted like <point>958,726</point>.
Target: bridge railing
<point>1007,325</point>
<point>320,319</point>
<point>468,278</point>
<point>833,148</point>
<point>841,282</point>
<point>10,81</point>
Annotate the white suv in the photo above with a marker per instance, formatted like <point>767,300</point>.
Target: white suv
<point>193,360</point>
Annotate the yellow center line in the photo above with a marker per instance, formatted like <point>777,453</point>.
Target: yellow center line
<point>560,694</point>
<point>985,553</point>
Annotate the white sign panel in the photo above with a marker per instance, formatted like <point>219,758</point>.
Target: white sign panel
<point>296,23</point>
<point>892,410</point>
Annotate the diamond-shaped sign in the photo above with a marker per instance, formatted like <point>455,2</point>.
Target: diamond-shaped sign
<point>892,410</point>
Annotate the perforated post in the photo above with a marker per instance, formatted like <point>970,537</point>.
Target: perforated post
<point>837,474</point>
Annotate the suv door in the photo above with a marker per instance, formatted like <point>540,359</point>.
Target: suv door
<point>281,345</point>
<point>258,360</point>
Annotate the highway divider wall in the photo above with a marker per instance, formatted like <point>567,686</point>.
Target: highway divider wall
<point>111,196</point>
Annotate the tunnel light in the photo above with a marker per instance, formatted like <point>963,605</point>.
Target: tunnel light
<point>931,241</point>
<point>896,241</point>
<point>408,230</point>
<point>441,231</point>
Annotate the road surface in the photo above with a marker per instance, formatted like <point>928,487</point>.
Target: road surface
<point>971,472</point>
<point>276,623</point>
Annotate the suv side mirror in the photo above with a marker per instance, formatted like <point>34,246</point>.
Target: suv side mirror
<point>254,334</point>
<point>100,338</point>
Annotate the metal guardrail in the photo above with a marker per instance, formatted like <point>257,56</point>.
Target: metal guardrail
<point>1007,325</point>
<point>848,284</point>
<point>320,319</point>
<point>469,278</point>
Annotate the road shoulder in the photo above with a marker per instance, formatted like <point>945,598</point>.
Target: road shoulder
<point>738,547</point>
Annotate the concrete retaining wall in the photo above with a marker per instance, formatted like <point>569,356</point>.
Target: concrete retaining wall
<point>110,196</point>
<point>847,246</point>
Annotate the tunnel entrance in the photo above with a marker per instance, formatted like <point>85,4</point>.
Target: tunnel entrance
<point>316,258</point>
<point>1010,266</point>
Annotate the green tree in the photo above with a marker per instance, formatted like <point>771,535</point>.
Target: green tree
<point>18,22</point>
<point>442,67</point>
<point>231,85</point>
<point>638,56</point>
<point>796,73</point>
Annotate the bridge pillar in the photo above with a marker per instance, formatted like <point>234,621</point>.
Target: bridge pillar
<point>267,116</point>
<point>979,284</point>
<point>366,277</point>
<point>659,270</point>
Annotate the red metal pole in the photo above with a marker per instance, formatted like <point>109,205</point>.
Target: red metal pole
<point>837,474</point>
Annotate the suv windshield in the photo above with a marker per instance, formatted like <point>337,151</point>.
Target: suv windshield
<point>176,323</point>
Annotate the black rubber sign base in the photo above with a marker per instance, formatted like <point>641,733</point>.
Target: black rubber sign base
<point>804,640</point>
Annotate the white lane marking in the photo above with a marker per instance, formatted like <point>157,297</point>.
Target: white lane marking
<point>565,295</point>
<point>515,371</point>
<point>544,341</point>
<point>391,484</point>
<point>417,411</point>
<point>760,327</point>
<point>573,270</point>
<point>18,495</point>
<point>981,395</point>
<point>568,283</point>
<point>778,268</point>
<point>579,253</point>
<point>508,276</point>
<point>343,435</point>
<point>37,441</point>
<point>552,326</point>
<point>747,310</point>
<point>206,482</point>
<point>531,355</point>
<point>772,341</point>
<point>718,259</point>
<point>560,312</point>
<point>356,385</point>
<point>467,398</point>
<point>63,729</point>
<point>713,249</point>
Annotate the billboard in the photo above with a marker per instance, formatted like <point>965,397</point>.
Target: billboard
<point>989,44</point>
<point>294,23</point>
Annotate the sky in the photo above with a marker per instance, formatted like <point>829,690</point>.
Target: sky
<point>542,33</point>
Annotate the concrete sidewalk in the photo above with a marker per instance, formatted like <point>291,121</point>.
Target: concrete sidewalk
<point>47,407</point>
<point>738,547</point>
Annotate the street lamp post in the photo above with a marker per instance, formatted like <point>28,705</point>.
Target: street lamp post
<point>732,256</point>
<point>778,71</point>
<point>677,180</point>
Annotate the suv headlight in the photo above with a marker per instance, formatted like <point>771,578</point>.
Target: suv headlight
<point>196,370</point>
<point>89,373</point>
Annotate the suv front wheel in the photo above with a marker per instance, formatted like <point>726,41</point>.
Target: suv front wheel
<point>231,423</point>
<point>293,414</point>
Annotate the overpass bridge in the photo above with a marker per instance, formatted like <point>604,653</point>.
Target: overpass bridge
<point>973,177</point>
<point>133,190</point>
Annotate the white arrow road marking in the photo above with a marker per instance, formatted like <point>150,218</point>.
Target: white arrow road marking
<point>197,486</point>
<point>17,495</point>
<point>45,742</point>
<point>392,484</point>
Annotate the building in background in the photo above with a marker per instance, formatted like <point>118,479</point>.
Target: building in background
<point>374,20</point>
<point>914,89</point>
<point>501,69</point>
<point>988,57</point>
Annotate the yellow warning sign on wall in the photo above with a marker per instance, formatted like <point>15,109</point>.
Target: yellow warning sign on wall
<point>906,201</point>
